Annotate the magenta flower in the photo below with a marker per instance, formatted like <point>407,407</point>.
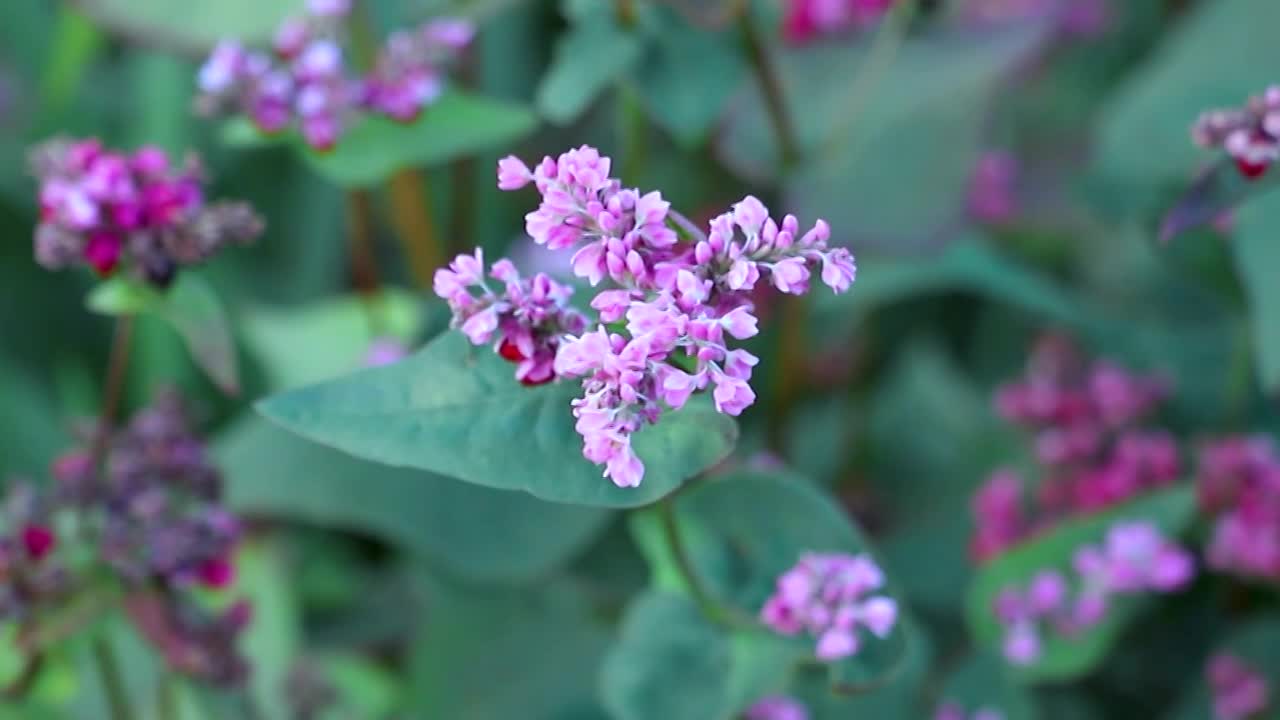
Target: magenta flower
<point>1135,558</point>
<point>806,20</point>
<point>1250,135</point>
<point>309,85</point>
<point>777,707</point>
<point>1239,484</point>
<point>682,301</point>
<point>1238,689</point>
<point>104,209</point>
<point>956,711</point>
<point>828,597</point>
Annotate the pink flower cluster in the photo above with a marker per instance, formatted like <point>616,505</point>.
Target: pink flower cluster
<point>679,300</point>
<point>806,20</point>
<point>1134,558</point>
<point>956,711</point>
<point>307,81</point>
<point>530,317</point>
<point>777,707</point>
<point>828,596</point>
<point>1084,419</point>
<point>992,198</point>
<point>102,208</point>
<point>1239,485</point>
<point>1250,135</point>
<point>1239,690</point>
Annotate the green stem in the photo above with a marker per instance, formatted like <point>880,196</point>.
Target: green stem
<point>364,261</point>
<point>167,698</point>
<point>411,215</point>
<point>112,681</point>
<point>113,387</point>
<point>1240,376</point>
<point>771,88</point>
<point>702,596</point>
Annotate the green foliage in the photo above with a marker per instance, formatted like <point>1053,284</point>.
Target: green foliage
<point>1064,658</point>
<point>192,24</point>
<point>191,308</point>
<point>591,55</point>
<point>456,410</point>
<point>468,530</point>
<point>1257,255</point>
<point>374,148</point>
<point>916,124</point>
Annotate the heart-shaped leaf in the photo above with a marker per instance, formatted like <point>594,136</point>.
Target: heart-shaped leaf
<point>457,410</point>
<point>374,148</point>
<point>472,532</point>
<point>740,532</point>
<point>1063,658</point>
<point>193,25</point>
<point>191,308</point>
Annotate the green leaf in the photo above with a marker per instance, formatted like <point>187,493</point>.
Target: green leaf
<point>297,345</point>
<point>886,160</point>
<point>191,308</point>
<point>495,653</point>
<point>1257,254</point>
<point>983,680</point>
<point>688,77</point>
<point>900,698</point>
<point>743,530</point>
<point>361,684</point>
<point>192,25</point>
<point>473,532</point>
<point>1064,658</point>
<point>457,410</point>
<point>589,57</point>
<point>669,662</point>
<point>374,148</point>
<point>1220,54</point>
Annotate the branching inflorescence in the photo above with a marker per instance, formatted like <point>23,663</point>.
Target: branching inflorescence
<point>1084,416</point>
<point>1250,134</point>
<point>106,209</point>
<point>1239,486</point>
<point>830,596</point>
<point>307,82</point>
<point>1134,558</point>
<point>673,306</point>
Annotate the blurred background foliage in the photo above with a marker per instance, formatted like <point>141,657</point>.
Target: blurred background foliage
<point>418,596</point>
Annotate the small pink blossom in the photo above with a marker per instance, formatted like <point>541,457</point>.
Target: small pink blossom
<point>826,596</point>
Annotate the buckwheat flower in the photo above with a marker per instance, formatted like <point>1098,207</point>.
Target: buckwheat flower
<point>806,20</point>
<point>777,707</point>
<point>828,597</point>
<point>956,711</point>
<point>1239,691</point>
<point>1250,135</point>
<point>527,319</point>
<point>329,8</point>
<point>106,209</point>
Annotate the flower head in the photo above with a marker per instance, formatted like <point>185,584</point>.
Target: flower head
<point>1249,134</point>
<point>830,597</point>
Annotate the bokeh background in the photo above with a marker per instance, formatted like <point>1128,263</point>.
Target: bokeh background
<point>999,168</point>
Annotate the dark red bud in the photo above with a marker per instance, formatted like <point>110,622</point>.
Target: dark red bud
<point>1252,170</point>
<point>38,541</point>
<point>217,573</point>
<point>510,352</point>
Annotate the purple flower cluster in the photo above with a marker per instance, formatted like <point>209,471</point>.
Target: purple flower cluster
<point>829,597</point>
<point>306,81</point>
<point>1239,690</point>
<point>1134,558</point>
<point>1084,417</point>
<point>102,208</point>
<point>956,711</point>
<point>530,317</point>
<point>992,197</point>
<point>680,300</point>
<point>1250,135</point>
<point>777,707</point>
<point>1239,485</point>
<point>156,499</point>
<point>807,20</point>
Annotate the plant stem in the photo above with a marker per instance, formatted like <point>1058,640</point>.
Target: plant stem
<point>16,690</point>
<point>112,682</point>
<point>412,218</point>
<point>364,261</point>
<point>671,529</point>
<point>788,366</point>
<point>771,88</point>
<point>113,386</point>
<point>631,134</point>
<point>167,698</point>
